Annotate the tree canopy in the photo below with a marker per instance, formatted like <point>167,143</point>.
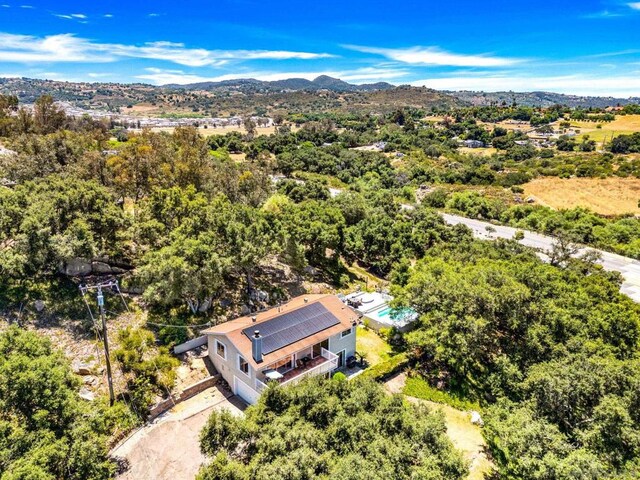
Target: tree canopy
<point>323,429</point>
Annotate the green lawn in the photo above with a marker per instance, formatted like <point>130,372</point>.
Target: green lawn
<point>464,435</point>
<point>419,388</point>
<point>370,345</point>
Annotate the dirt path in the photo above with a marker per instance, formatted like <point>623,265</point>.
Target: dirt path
<point>465,436</point>
<point>168,448</point>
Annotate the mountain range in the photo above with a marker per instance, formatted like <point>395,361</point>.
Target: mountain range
<point>294,93</point>
<point>323,82</point>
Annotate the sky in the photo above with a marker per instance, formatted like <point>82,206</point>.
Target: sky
<point>591,47</point>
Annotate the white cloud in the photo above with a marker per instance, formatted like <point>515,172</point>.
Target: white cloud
<point>79,15</point>
<point>27,6</point>
<point>54,48</point>
<point>69,48</point>
<point>108,15</point>
<point>634,5</point>
<point>363,75</point>
<point>435,56</point>
<point>620,86</point>
<point>59,15</point>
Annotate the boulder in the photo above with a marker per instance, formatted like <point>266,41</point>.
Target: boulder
<point>87,394</point>
<point>83,368</point>
<point>101,268</point>
<point>309,270</point>
<point>476,419</point>
<point>76,267</point>
<point>259,295</point>
<point>90,380</point>
<point>39,305</point>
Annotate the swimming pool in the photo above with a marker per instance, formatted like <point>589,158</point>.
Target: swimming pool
<point>393,317</point>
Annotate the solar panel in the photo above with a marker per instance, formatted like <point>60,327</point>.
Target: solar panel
<point>292,326</point>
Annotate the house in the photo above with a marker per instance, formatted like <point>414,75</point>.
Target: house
<point>308,336</point>
<point>473,144</point>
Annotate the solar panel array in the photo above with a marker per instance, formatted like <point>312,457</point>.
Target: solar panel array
<point>292,326</point>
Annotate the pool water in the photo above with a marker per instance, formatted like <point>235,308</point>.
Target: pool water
<point>395,314</point>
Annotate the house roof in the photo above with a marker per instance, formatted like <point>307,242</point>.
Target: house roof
<point>305,321</point>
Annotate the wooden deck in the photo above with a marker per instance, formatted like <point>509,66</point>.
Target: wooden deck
<point>319,360</point>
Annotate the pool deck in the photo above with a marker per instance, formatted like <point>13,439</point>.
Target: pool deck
<point>371,305</point>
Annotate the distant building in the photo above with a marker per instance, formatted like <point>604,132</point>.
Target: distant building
<point>473,143</point>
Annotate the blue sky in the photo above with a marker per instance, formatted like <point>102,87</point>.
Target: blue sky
<point>587,47</point>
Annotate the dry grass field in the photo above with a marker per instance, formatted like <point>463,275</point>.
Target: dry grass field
<point>622,125</point>
<point>607,196</point>
<point>207,132</point>
<point>485,152</point>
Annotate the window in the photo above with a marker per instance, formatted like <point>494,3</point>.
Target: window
<point>221,350</point>
<point>346,333</point>
<point>282,365</point>
<point>243,365</point>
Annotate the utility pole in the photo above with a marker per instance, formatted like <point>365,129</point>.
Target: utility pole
<point>112,397</point>
<point>113,284</point>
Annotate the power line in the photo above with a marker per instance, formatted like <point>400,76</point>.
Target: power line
<point>84,289</point>
<point>201,325</point>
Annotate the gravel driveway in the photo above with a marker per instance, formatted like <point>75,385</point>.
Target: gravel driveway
<point>168,448</point>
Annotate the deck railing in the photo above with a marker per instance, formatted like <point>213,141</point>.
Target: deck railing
<point>325,367</point>
<point>260,386</point>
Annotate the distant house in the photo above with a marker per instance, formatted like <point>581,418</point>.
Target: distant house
<point>308,336</point>
<point>473,143</point>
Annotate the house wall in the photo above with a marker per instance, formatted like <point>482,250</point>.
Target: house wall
<point>337,343</point>
<point>229,368</point>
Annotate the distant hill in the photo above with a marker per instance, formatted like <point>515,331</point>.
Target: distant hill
<point>299,95</point>
<point>539,99</point>
<point>232,97</point>
<point>323,82</point>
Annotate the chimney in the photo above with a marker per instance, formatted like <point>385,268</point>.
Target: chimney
<point>254,318</point>
<point>256,346</point>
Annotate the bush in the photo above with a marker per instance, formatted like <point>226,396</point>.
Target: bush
<point>387,368</point>
<point>339,377</point>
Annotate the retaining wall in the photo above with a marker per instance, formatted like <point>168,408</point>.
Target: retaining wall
<point>190,345</point>
<point>185,394</point>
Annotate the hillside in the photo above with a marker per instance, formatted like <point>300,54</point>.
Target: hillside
<point>238,97</point>
<point>251,96</point>
<point>539,99</point>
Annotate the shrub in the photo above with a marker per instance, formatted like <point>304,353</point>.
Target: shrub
<point>387,368</point>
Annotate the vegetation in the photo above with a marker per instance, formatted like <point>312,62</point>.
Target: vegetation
<point>329,429</point>
<point>201,229</point>
<point>418,387</point>
<point>552,353</point>
<point>48,432</point>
